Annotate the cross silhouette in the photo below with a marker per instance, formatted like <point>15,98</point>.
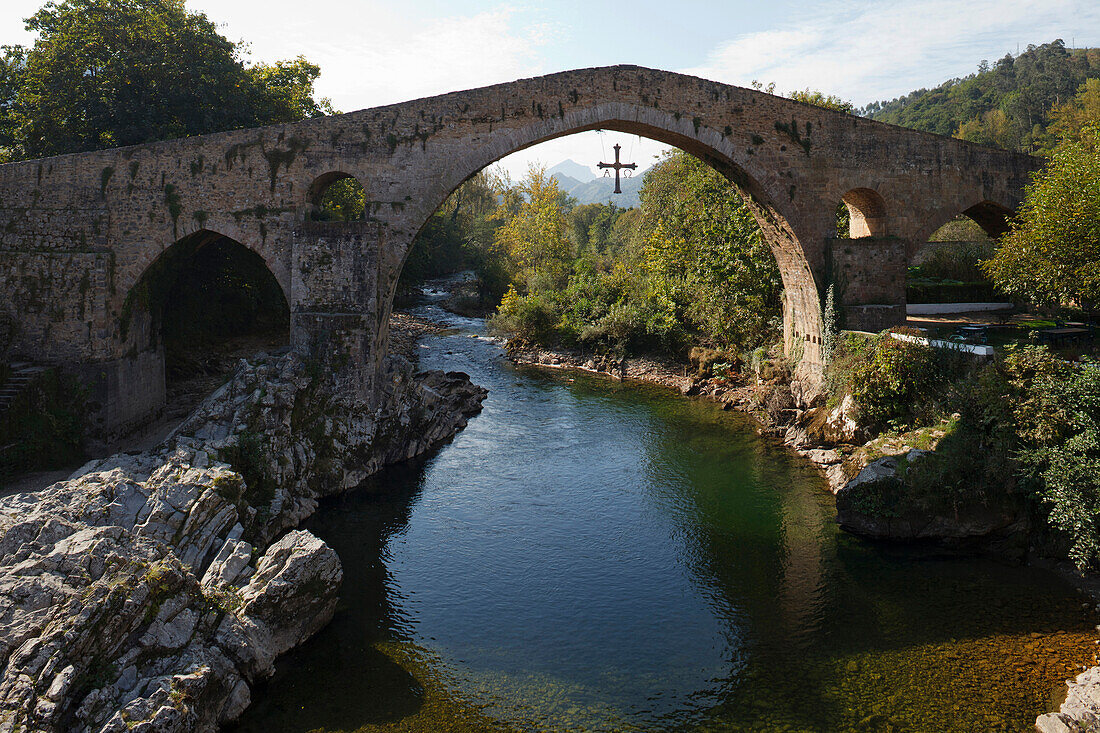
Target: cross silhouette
<point>617,166</point>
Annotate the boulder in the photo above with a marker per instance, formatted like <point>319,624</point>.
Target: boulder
<point>879,504</point>
<point>148,592</point>
<point>1081,710</point>
<point>828,426</point>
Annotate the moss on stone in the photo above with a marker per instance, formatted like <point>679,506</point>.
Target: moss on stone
<point>104,179</point>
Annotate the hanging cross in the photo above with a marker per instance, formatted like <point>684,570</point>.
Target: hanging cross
<point>617,166</point>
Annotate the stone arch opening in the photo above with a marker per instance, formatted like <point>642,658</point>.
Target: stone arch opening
<point>800,301</point>
<point>203,303</point>
<point>951,255</point>
<point>336,196</point>
<point>981,221</point>
<point>991,217</point>
<point>866,213</point>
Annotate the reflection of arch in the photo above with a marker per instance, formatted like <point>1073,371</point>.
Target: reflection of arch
<point>866,213</point>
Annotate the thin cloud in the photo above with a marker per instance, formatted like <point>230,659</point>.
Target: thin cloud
<point>373,52</point>
<point>863,51</point>
<point>399,63</point>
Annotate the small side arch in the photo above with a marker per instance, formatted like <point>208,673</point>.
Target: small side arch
<point>213,269</point>
<point>336,195</point>
<point>991,217</point>
<point>994,218</point>
<point>866,213</point>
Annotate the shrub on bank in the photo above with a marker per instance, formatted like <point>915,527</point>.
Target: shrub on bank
<point>892,381</point>
<point>530,319</point>
<point>1058,424</point>
<point>1025,436</point>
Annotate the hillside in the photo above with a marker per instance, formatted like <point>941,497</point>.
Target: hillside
<point>1007,104</point>
<point>572,169</point>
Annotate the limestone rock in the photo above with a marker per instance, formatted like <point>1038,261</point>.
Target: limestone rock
<point>1081,710</point>
<point>147,592</point>
<point>825,426</point>
<point>876,504</point>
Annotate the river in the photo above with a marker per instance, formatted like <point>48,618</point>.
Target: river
<point>594,556</point>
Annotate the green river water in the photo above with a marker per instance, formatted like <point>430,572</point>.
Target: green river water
<point>593,556</point>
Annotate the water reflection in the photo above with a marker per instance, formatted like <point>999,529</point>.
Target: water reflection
<point>593,556</point>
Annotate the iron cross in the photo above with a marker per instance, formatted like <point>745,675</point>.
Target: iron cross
<point>617,166</point>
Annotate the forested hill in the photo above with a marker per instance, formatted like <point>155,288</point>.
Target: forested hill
<point>1008,104</point>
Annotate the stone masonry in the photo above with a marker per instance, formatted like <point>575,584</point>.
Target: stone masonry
<point>79,233</point>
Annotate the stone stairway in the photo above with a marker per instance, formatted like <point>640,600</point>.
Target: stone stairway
<point>22,373</point>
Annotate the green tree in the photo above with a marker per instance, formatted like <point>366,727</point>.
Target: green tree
<point>705,254</point>
<point>535,238</point>
<point>12,60</point>
<point>1052,254</point>
<point>1010,103</point>
<point>283,91</point>
<point>1057,416</point>
<point>992,128</point>
<point>106,73</point>
<point>1068,120</point>
<point>460,235</point>
<point>343,200</point>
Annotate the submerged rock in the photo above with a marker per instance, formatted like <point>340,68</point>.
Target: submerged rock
<point>148,591</point>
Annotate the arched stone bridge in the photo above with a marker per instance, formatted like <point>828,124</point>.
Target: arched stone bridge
<point>78,232</point>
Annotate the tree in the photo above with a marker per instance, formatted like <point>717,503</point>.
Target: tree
<point>992,128</point>
<point>535,237</point>
<point>283,91</point>
<point>1010,103</point>
<point>705,254</point>
<point>1069,119</point>
<point>343,200</point>
<point>106,73</point>
<point>1052,253</point>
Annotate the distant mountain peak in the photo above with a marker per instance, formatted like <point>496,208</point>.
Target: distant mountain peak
<point>573,170</point>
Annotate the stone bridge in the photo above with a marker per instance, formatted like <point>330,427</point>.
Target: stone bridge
<point>80,233</point>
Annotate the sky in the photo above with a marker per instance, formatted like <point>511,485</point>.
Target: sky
<point>373,53</point>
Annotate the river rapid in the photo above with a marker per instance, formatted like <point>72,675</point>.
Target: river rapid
<point>589,555</point>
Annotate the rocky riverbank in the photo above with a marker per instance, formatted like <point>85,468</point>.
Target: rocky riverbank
<point>148,591</point>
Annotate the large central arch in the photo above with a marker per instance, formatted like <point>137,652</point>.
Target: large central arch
<point>740,166</point>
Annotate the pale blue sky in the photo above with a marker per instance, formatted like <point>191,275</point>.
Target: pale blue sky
<point>374,53</point>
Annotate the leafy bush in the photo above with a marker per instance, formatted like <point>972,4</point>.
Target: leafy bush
<point>975,461</point>
<point>1057,409</point>
<point>530,319</point>
<point>886,376</point>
